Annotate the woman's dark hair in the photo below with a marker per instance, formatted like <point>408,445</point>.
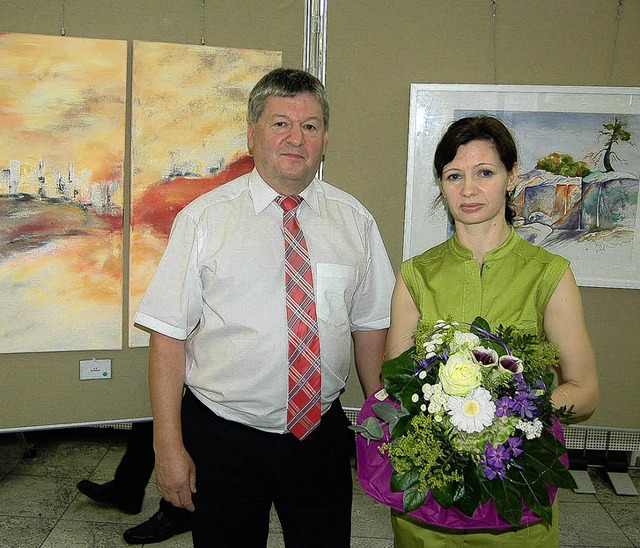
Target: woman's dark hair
<point>480,128</point>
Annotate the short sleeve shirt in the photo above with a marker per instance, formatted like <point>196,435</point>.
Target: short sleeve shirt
<point>220,286</point>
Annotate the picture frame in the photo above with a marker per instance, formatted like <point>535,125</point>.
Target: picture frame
<point>579,170</point>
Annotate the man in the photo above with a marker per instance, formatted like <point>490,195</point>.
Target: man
<point>251,308</point>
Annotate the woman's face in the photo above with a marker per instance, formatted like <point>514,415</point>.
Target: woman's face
<point>475,184</point>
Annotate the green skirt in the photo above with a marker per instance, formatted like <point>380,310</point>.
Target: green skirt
<point>409,532</point>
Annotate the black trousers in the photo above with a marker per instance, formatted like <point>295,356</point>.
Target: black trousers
<point>135,467</point>
<point>241,472</point>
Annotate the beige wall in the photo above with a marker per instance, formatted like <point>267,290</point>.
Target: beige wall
<point>375,50</point>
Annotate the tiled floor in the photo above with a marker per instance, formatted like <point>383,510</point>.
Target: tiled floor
<point>40,507</point>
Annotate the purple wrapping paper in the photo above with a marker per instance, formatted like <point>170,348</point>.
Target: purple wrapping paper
<point>374,473</point>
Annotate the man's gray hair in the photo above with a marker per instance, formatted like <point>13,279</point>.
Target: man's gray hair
<point>283,82</point>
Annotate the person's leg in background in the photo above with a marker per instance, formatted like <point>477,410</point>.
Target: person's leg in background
<point>126,490</point>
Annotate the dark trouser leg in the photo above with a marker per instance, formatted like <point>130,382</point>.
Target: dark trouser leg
<point>315,489</point>
<point>233,496</point>
<point>133,472</point>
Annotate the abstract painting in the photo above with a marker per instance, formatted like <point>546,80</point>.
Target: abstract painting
<point>579,170</point>
<point>62,144</point>
<point>188,136</point>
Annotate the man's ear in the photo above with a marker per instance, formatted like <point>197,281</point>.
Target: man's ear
<point>250,130</point>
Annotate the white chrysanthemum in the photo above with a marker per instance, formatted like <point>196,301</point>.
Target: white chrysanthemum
<point>423,408</point>
<point>422,375</point>
<point>438,397</point>
<point>429,347</point>
<point>473,412</point>
<point>434,407</point>
<point>415,398</point>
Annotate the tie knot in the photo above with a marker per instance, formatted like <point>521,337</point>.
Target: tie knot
<point>287,203</point>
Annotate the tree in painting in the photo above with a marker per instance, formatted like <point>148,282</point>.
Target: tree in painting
<point>614,134</point>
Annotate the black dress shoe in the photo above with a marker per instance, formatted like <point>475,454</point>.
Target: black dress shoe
<point>107,493</point>
<point>159,527</point>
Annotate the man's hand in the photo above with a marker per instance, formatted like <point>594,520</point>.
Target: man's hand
<point>176,478</point>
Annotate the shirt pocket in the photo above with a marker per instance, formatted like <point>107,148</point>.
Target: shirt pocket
<point>335,286</point>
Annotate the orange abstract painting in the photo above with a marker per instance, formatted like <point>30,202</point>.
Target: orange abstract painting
<point>62,145</point>
<point>188,136</point>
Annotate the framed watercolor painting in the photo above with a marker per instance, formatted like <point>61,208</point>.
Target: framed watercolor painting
<point>579,169</point>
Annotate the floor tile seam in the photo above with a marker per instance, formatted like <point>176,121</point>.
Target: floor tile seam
<point>620,502</point>
<point>57,521</point>
<point>613,520</point>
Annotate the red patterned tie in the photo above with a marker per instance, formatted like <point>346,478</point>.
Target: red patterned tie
<point>304,403</point>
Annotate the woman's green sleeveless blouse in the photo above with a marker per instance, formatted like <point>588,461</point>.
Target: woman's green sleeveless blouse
<point>513,286</point>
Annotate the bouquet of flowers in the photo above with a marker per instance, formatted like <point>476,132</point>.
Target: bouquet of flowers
<point>467,427</point>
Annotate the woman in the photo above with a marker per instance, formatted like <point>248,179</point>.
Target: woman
<point>487,269</point>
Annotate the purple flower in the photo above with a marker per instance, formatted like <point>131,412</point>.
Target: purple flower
<point>513,446</point>
<point>505,406</point>
<point>525,398</point>
<point>425,364</point>
<point>493,474</point>
<point>496,456</point>
<point>526,408</point>
<point>494,461</point>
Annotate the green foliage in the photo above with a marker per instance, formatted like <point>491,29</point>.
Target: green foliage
<point>426,448</point>
<point>413,498</point>
<point>471,496</point>
<point>534,492</point>
<point>616,131</point>
<point>508,499</point>
<point>400,380</point>
<point>563,164</point>
<point>370,429</point>
<point>542,455</point>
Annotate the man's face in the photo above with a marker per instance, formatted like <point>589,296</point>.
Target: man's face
<point>288,142</point>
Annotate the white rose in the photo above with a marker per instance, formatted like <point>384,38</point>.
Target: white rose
<point>460,375</point>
